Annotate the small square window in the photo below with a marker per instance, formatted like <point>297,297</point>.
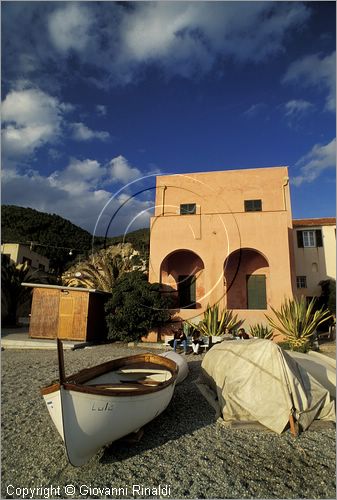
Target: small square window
<point>253,205</point>
<point>188,209</point>
<point>301,281</point>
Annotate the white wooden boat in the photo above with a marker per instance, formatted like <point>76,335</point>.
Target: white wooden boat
<point>181,363</point>
<point>99,405</point>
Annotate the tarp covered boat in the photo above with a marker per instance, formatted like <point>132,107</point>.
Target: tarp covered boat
<point>256,381</point>
<point>322,368</point>
<point>99,405</point>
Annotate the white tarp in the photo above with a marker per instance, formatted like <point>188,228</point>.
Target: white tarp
<point>322,368</point>
<point>255,380</point>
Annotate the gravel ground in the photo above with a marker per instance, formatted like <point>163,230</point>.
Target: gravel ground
<point>183,449</point>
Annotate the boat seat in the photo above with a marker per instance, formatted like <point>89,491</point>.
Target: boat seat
<point>128,385</point>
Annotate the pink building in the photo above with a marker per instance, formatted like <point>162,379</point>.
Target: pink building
<point>226,238</point>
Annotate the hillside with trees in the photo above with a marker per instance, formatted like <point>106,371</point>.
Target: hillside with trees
<point>54,237</point>
<point>48,234</point>
<point>139,239</point>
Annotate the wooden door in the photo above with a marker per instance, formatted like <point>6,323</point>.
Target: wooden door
<point>44,313</point>
<point>73,312</point>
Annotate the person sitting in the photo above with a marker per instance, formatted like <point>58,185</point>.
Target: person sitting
<point>196,342</point>
<point>243,334</point>
<point>180,338</point>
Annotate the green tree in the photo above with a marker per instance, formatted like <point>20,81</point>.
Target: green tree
<point>328,295</point>
<point>50,234</point>
<point>136,306</point>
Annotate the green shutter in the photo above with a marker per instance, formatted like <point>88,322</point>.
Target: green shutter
<point>187,291</point>
<point>300,239</point>
<point>319,241</point>
<point>256,291</point>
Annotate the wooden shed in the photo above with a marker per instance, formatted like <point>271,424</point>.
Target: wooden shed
<point>67,313</point>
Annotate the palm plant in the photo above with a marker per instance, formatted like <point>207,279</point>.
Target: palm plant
<point>261,331</point>
<point>212,325</point>
<point>298,321</point>
<point>100,273</point>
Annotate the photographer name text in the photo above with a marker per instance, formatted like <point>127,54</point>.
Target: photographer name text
<point>85,490</point>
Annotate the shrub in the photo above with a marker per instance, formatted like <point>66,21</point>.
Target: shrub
<point>327,299</point>
<point>261,331</point>
<point>213,325</point>
<point>135,307</point>
<point>298,321</point>
<point>287,347</point>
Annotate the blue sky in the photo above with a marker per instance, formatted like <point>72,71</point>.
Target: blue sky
<point>98,95</point>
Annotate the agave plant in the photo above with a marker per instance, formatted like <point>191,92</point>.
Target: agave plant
<point>298,321</point>
<point>261,331</point>
<point>212,325</point>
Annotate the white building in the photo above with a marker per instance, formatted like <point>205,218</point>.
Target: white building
<point>19,254</point>
<point>315,253</point>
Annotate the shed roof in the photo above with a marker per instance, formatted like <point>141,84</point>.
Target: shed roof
<point>323,221</point>
<point>59,287</point>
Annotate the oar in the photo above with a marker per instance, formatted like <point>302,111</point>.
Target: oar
<point>61,361</point>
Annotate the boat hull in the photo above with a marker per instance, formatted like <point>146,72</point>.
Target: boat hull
<point>87,421</point>
<point>181,363</point>
<point>97,406</point>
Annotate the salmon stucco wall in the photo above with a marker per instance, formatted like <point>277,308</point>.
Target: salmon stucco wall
<point>220,227</point>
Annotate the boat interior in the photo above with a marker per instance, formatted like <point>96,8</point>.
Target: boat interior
<point>141,373</point>
<point>127,377</point>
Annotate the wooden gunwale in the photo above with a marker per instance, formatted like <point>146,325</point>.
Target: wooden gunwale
<point>77,381</point>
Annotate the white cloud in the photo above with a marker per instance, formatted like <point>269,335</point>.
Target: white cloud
<point>79,176</point>
<point>186,37</point>
<point>254,109</point>
<point>82,133</point>
<point>119,40</point>
<point>297,107</point>
<point>31,118</point>
<point>320,158</point>
<point>121,170</point>
<point>75,193</point>
<point>101,109</point>
<point>316,71</point>
<point>69,27</point>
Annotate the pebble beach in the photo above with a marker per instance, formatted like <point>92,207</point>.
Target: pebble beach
<point>184,453</point>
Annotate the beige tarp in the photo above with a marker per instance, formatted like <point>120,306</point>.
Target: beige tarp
<point>255,380</point>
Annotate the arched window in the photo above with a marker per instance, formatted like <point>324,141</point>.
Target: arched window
<point>181,275</point>
<point>246,273</point>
